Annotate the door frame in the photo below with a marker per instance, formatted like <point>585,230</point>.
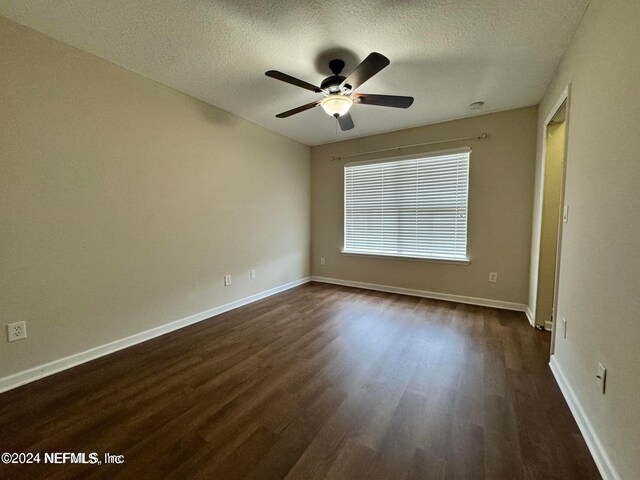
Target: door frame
<point>563,99</point>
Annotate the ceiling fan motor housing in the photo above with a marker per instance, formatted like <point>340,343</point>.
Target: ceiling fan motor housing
<point>332,83</point>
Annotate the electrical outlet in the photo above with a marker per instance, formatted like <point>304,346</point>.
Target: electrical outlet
<point>227,280</point>
<point>252,274</point>
<point>322,262</point>
<point>564,327</point>
<point>16,331</point>
<point>601,377</point>
<point>493,277</point>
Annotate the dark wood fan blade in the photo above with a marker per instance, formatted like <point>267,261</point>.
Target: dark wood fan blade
<point>292,80</point>
<point>293,111</point>
<point>367,69</point>
<point>383,100</point>
<point>345,121</point>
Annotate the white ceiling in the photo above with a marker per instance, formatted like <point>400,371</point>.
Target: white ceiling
<point>445,53</point>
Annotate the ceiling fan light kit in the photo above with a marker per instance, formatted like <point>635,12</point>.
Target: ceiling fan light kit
<point>338,90</point>
<point>336,105</point>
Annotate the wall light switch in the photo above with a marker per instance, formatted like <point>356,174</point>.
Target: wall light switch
<point>564,327</point>
<point>227,280</point>
<point>601,377</point>
<point>565,214</point>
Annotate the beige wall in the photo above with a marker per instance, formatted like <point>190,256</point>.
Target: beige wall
<point>553,164</point>
<point>123,203</point>
<point>599,286</point>
<point>500,202</point>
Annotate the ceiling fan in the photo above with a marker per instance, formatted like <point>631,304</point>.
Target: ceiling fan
<point>338,90</point>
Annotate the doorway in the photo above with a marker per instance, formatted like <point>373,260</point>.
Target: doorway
<point>551,218</point>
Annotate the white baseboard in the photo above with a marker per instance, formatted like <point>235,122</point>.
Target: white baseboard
<point>530,316</point>
<point>548,326</point>
<point>32,374</point>
<point>483,302</point>
<point>599,454</point>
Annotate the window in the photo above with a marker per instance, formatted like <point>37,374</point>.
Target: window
<point>411,207</point>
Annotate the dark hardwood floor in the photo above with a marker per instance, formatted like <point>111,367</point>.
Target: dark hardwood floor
<point>317,382</point>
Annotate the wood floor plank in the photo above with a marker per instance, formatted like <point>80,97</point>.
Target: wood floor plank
<point>318,382</point>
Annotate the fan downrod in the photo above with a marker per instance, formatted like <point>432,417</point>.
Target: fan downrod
<point>336,66</point>
<point>332,83</point>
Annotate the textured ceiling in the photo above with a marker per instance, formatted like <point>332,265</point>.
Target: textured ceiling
<point>445,53</point>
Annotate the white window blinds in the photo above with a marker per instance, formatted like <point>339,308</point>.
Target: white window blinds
<point>410,207</point>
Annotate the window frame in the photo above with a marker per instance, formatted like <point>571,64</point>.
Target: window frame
<point>411,257</point>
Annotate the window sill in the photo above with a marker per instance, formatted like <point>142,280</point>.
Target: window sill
<point>463,261</point>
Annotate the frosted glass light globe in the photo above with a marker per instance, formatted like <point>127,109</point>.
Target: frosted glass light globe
<point>336,105</point>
